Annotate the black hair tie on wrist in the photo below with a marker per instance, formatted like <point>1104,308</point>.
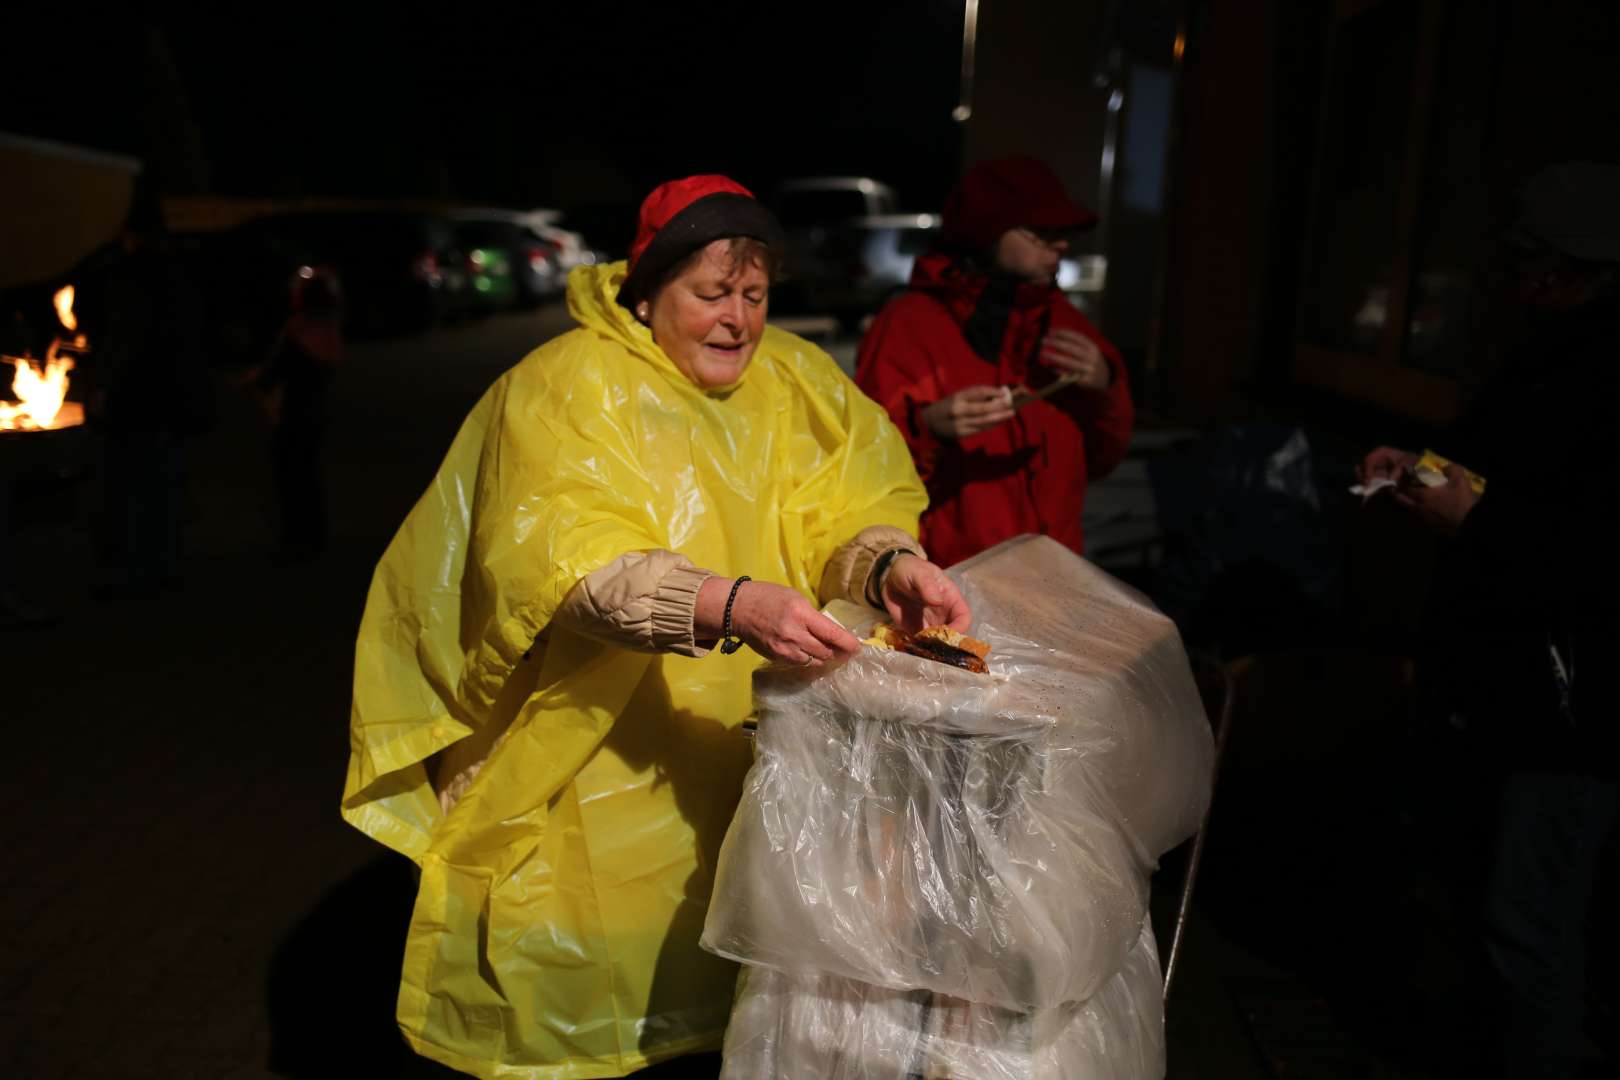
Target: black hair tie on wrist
<point>880,567</point>
<point>729,642</point>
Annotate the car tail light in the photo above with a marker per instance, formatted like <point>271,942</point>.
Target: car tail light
<point>426,265</point>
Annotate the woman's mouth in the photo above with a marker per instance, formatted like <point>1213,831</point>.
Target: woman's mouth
<point>728,348</point>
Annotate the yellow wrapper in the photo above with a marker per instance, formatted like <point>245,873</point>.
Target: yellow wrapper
<point>1434,463</point>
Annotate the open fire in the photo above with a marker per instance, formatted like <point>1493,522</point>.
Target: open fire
<point>41,392</point>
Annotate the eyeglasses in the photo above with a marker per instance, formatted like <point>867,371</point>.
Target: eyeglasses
<point>1050,238</point>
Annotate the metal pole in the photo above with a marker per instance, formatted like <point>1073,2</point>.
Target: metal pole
<point>1105,178</point>
<point>970,43</point>
<point>1168,191</point>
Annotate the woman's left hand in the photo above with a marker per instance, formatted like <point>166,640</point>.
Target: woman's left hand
<point>1072,354</point>
<point>917,595</point>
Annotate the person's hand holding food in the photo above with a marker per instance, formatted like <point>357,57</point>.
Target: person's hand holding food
<point>775,621</point>
<point>968,412</point>
<point>917,594</point>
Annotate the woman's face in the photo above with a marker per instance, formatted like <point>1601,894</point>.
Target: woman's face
<point>1030,256</point>
<point>1552,281</point>
<point>709,317</point>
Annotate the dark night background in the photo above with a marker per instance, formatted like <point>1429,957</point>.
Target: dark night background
<point>533,104</point>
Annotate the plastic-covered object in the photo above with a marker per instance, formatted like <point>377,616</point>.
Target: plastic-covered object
<point>989,837</point>
<point>555,929</point>
<point>830,1028</point>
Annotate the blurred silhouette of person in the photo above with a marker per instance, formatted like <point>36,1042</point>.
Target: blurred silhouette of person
<point>293,383</point>
<point>15,611</point>
<point>952,361</point>
<point>149,391</point>
<point>1522,607</point>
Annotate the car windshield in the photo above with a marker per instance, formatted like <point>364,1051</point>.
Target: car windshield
<point>488,232</point>
<point>916,241</point>
<point>800,208</point>
<point>607,226</point>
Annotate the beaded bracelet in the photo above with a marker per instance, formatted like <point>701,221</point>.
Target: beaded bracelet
<point>729,642</point>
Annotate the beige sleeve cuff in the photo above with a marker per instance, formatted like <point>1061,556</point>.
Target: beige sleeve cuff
<point>850,566</point>
<point>643,600</point>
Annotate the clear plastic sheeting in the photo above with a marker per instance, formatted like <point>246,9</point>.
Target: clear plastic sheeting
<point>986,837</point>
<point>829,1028</point>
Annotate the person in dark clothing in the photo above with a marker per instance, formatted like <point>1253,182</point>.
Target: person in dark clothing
<point>150,392</point>
<point>954,361</point>
<point>15,610</point>
<point>1522,606</point>
<point>293,384</point>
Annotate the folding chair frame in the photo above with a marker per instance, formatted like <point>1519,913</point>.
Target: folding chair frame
<point>1210,675</point>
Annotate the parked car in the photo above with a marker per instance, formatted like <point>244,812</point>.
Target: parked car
<point>602,231</point>
<point>859,265</point>
<point>535,260</point>
<point>572,248</point>
<point>1083,279</point>
<point>494,253</point>
<point>820,201</point>
<point>838,228</point>
<point>400,270</point>
<point>889,246</point>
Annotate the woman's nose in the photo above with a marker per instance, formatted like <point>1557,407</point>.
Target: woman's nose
<point>731,316</point>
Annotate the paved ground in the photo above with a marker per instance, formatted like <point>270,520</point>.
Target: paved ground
<point>181,897</point>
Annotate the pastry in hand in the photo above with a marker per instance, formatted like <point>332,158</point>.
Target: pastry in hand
<point>937,643</point>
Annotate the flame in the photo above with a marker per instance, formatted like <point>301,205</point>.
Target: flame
<point>39,394</point>
<point>42,391</point>
<point>64,308</point>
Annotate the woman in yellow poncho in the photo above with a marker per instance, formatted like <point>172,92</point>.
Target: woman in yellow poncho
<point>538,720</point>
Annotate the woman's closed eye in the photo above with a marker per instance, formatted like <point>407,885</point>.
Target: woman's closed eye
<point>715,295</point>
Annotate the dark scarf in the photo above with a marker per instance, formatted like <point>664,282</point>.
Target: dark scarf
<point>984,304</point>
<point>986,328</point>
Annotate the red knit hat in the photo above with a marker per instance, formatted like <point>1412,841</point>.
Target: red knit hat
<point>683,215</point>
<point>1008,193</point>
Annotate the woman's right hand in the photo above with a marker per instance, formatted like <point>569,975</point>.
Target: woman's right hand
<point>780,624</point>
<point>1386,462</point>
<point>968,412</point>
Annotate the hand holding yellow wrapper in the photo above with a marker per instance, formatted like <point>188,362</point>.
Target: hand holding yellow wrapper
<point>1430,471</point>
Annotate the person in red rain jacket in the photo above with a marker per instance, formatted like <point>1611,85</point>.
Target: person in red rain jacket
<point>951,358</point>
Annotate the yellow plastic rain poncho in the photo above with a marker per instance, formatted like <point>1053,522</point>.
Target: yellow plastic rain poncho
<point>555,930</point>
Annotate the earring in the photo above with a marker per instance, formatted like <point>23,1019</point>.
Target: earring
<point>641,312</point>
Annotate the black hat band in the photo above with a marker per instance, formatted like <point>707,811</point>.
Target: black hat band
<point>703,221</point>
